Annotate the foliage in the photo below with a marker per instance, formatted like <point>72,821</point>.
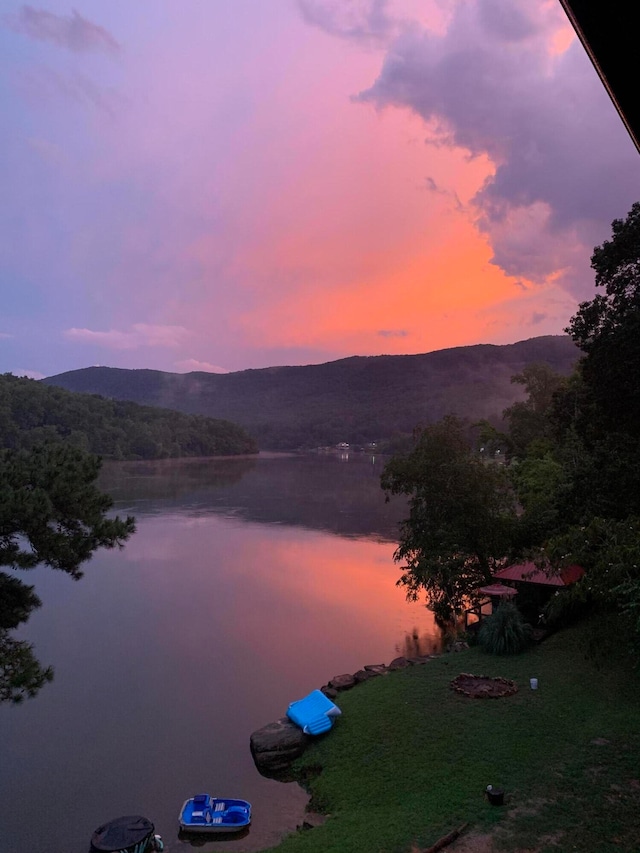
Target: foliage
<point>51,512</point>
<point>460,516</point>
<point>21,675</point>
<point>567,606</point>
<point>607,329</point>
<point>32,413</point>
<point>527,420</point>
<point>17,601</point>
<point>540,483</point>
<point>609,550</point>
<point>505,632</point>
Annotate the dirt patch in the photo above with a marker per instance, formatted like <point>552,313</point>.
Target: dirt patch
<point>483,686</point>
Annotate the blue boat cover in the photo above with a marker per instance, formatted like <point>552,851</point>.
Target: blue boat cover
<point>314,714</point>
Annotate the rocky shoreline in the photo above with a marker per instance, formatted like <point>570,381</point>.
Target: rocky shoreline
<point>277,745</point>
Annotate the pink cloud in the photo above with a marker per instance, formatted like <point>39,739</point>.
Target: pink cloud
<point>193,365</point>
<point>139,335</point>
<point>366,20</point>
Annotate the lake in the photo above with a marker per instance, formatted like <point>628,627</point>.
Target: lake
<point>248,583</point>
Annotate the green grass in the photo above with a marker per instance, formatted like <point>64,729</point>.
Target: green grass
<point>409,759</point>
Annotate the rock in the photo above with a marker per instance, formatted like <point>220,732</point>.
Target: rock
<point>329,692</point>
<point>276,745</point>
<point>398,663</point>
<point>364,675</point>
<point>342,682</point>
<point>376,668</point>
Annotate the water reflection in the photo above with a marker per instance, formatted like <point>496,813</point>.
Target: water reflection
<point>219,612</point>
<point>195,840</point>
<point>318,492</point>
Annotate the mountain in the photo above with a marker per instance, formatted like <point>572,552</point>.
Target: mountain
<point>357,400</point>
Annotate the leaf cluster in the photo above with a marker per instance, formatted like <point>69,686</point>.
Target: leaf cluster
<point>50,510</point>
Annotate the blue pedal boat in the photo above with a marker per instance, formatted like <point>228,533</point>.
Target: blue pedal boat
<point>314,714</point>
<point>209,815</point>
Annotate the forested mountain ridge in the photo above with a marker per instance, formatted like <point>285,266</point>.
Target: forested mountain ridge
<point>357,399</point>
<point>32,413</point>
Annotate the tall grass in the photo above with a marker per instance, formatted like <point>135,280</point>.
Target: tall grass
<point>505,632</point>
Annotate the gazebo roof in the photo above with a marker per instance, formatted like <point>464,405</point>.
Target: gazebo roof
<point>529,572</point>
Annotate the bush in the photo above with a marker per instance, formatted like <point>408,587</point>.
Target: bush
<point>567,606</point>
<point>505,632</point>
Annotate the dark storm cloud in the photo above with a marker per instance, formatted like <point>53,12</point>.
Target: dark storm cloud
<point>362,20</point>
<point>72,32</point>
<point>564,166</point>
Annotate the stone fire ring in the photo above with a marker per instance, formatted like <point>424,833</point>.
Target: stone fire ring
<point>483,686</point>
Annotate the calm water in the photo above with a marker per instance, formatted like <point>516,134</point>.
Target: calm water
<point>249,583</point>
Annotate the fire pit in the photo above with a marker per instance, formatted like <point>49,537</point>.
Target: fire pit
<point>483,686</point>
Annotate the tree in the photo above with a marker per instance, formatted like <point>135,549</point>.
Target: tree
<point>21,675</point>
<point>597,426</point>
<point>51,513</point>
<point>461,515</point>
<point>607,417</point>
<point>607,328</point>
<point>527,419</point>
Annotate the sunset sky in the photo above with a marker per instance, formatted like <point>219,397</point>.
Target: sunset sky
<point>230,184</point>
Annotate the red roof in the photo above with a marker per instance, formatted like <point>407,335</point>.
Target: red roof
<point>530,573</point>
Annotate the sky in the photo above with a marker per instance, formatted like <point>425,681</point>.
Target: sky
<point>229,184</point>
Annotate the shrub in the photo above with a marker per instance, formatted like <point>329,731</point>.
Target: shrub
<point>505,632</point>
<point>567,606</point>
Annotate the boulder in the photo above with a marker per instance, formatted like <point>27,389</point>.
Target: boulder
<point>376,668</point>
<point>364,675</point>
<point>275,746</point>
<point>329,692</point>
<point>342,682</point>
<point>398,663</point>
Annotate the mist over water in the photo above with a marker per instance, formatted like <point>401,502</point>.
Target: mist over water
<point>249,583</point>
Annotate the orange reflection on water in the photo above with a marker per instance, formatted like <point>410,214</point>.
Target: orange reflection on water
<point>289,599</point>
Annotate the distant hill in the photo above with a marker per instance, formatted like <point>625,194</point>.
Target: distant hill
<point>31,413</point>
<point>357,400</point>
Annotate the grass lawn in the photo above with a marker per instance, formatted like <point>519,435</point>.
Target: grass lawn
<point>409,759</point>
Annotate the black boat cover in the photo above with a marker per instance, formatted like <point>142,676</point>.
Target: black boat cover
<point>130,834</point>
